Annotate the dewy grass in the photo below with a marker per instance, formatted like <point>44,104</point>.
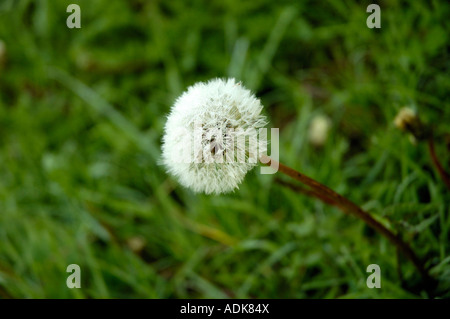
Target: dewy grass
<point>79,149</point>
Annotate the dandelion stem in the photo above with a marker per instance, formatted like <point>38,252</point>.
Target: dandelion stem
<point>444,175</point>
<point>329,196</point>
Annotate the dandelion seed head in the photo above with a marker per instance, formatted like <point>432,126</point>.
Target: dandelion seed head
<point>201,139</point>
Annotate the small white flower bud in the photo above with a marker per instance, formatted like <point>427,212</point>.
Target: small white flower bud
<point>407,120</point>
<point>318,130</point>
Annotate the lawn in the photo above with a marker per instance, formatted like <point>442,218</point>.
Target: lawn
<point>82,115</point>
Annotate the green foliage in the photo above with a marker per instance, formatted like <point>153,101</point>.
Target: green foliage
<point>82,113</point>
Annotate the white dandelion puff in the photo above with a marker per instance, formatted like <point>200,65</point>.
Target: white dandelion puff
<point>211,136</point>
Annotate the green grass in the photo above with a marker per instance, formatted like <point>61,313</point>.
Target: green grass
<point>82,114</point>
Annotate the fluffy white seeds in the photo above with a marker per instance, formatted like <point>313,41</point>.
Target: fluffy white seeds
<point>211,136</point>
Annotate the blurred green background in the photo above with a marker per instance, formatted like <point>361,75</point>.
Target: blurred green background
<point>82,113</point>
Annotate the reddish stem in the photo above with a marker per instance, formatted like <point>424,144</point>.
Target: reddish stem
<point>443,174</point>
